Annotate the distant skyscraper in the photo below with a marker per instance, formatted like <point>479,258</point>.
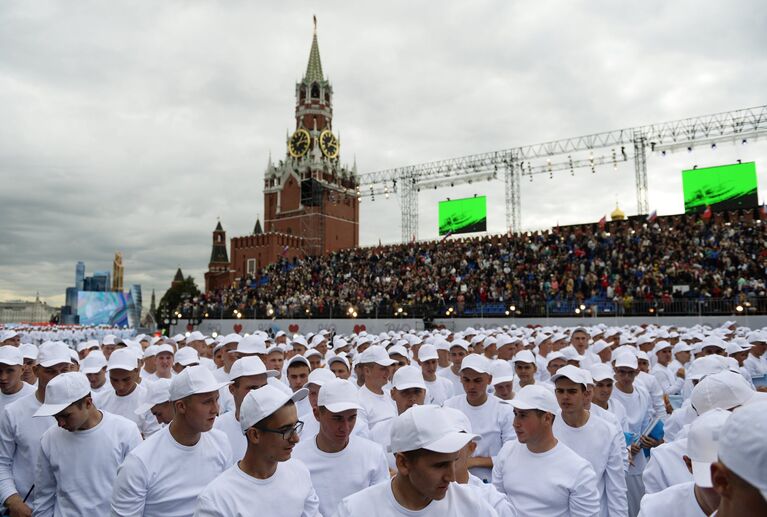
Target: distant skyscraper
<point>135,291</point>
<point>71,299</point>
<point>100,281</point>
<point>117,272</point>
<point>79,275</point>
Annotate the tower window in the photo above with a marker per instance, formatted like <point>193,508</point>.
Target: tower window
<point>315,91</point>
<point>302,94</point>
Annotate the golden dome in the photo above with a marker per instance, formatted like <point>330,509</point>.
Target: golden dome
<point>617,214</point>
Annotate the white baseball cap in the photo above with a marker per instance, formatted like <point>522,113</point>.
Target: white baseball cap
<point>319,376</point>
<point>554,355</point>
<point>62,391</point>
<point>299,359</point>
<point>427,353</point>
<point>573,373</point>
<point>340,359</point>
<point>724,390</point>
<point>703,444</point>
<point>263,402</point>
<point>93,363</point>
<point>475,362</point>
<point>708,365</point>
<point>660,345</point>
<point>741,445</point>
<point>338,395</point>
<point>535,396</point>
<point>250,365</point>
<point>122,359</point>
<point>109,339</point>
<point>524,356</point>
<point>627,360</point>
<point>195,336</point>
<point>599,345</point>
<point>426,427</point>
<point>502,371</point>
<point>601,371</point>
<point>253,344</point>
<point>681,346</point>
<point>376,354</point>
<point>158,392</point>
<point>28,351</point>
<point>186,356</point>
<point>408,377</point>
<point>91,344</point>
<point>461,343</point>
<point>11,356</point>
<point>165,348</point>
<point>193,381</point>
<point>150,351</point>
<point>53,353</point>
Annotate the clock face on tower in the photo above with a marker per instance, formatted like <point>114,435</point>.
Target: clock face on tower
<point>299,143</point>
<point>328,144</point>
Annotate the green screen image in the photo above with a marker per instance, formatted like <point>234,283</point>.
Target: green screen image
<point>463,215</point>
<point>725,187</point>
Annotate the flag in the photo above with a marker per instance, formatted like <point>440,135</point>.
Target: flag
<point>379,243</point>
<point>285,250</point>
<point>602,223</point>
<point>448,234</point>
<point>707,214</point>
<point>652,217</point>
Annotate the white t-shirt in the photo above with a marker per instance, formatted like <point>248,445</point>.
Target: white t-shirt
<point>288,492</point>
<point>493,421</point>
<point>76,470</point>
<point>26,389</point>
<point>379,501</point>
<point>101,390</point>
<point>555,483</point>
<point>454,379</point>
<point>488,492</point>
<point>670,383</point>
<point>230,426</point>
<point>20,435</point>
<point>639,412</point>
<point>666,467</point>
<point>161,477</point>
<point>675,501</point>
<point>337,475</point>
<point>602,444</point>
<point>126,406</point>
<point>653,387</point>
<point>439,390</point>
<point>377,407</point>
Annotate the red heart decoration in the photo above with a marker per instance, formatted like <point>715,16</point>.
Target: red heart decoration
<point>189,327</point>
<point>363,328</point>
<point>237,328</point>
<point>359,328</point>
<point>293,328</point>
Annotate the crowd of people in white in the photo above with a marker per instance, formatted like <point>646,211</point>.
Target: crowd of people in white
<point>547,421</point>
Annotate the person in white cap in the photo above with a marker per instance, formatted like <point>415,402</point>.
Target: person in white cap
<point>670,381</point>
<point>339,365</point>
<point>579,340</point>
<point>340,464</point>
<point>163,362</point>
<point>594,439</point>
<point>29,353</point>
<point>491,419</point>
<point>525,367</point>
<point>681,353</point>
<point>166,473</point>
<point>95,369</point>
<point>78,459</point>
<point>226,345</point>
<point>738,475</point>
<point>127,393</point>
<point>458,349</point>
<point>639,412</point>
<point>109,345</point>
<point>12,387</point>
<point>541,475</point>
<point>185,357</point>
<point>603,377</point>
<point>374,397</point>
<point>20,432</point>
<point>196,341</point>
<point>157,402</point>
<point>150,362</point>
<point>486,491</point>
<point>503,379</point>
<point>266,481</point>
<point>247,374</point>
<point>10,338</point>
<point>756,362</point>
<point>426,448</point>
<point>694,498</point>
<point>440,388</point>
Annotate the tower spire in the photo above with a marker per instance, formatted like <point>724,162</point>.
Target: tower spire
<point>314,67</point>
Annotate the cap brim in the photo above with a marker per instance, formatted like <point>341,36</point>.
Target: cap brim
<point>54,362</point>
<point>300,394</point>
<point>143,408</point>
<point>51,409</point>
<point>342,406</point>
<point>90,371</point>
<point>409,385</point>
<point>501,380</point>
<point>428,358</point>
<point>383,362</point>
<point>701,474</point>
<point>517,404</point>
<point>452,442</point>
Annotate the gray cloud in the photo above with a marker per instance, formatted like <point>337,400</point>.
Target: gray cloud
<point>132,126</point>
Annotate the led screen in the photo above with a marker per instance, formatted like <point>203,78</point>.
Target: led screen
<point>463,215</point>
<point>104,308</point>
<point>726,187</point>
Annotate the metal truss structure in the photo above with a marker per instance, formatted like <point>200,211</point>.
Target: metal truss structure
<point>561,155</point>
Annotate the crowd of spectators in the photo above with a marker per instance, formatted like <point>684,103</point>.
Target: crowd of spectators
<point>624,264</point>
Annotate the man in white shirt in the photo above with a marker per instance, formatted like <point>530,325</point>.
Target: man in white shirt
<point>670,381</point>
<point>374,397</point>
<point>127,394</point>
<point>541,475</point>
<point>525,367</point>
<point>756,362</point>
<point>166,473</point>
<point>163,362</point>
<point>601,395</point>
<point>20,432</point>
<point>696,498</point>
<point>490,417</point>
<point>458,350</point>
<point>503,379</point>
<point>595,440</point>
<point>579,340</point>
<point>266,481</point>
<point>426,448</point>
<point>157,402</point>
<point>340,464</point>
<point>12,387</point>
<point>440,388</point>
<point>78,460</point>
<point>95,369</point>
<point>247,374</point>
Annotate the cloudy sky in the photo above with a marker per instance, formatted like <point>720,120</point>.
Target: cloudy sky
<point>133,125</point>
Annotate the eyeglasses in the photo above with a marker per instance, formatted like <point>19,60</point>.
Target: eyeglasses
<point>287,434</point>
